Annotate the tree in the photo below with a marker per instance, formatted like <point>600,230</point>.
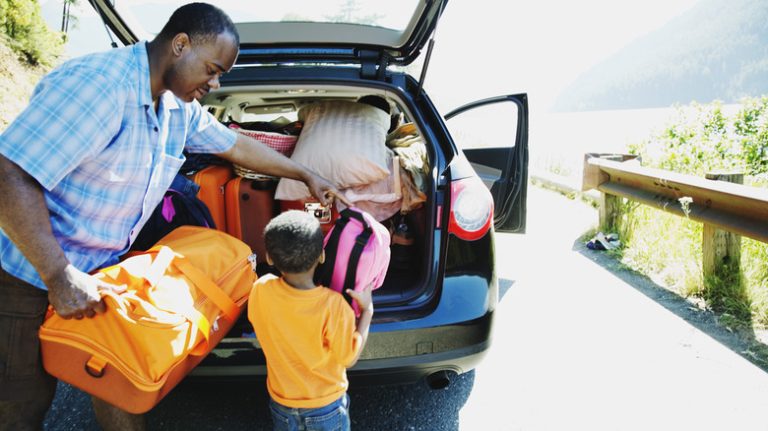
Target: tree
<point>25,31</point>
<point>348,12</point>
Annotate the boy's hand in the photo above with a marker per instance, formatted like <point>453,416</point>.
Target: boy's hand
<point>364,298</point>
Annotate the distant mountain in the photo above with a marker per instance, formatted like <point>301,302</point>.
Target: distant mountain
<point>716,51</point>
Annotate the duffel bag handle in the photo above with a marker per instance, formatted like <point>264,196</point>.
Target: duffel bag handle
<point>166,257</point>
<point>160,264</point>
<point>189,313</point>
<point>203,282</point>
<point>163,258</point>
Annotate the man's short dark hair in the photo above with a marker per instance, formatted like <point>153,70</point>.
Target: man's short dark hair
<point>202,22</point>
<point>294,241</point>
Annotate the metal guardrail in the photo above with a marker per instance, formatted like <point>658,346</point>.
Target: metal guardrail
<point>731,207</point>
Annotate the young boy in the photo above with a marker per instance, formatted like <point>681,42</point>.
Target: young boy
<point>308,333</point>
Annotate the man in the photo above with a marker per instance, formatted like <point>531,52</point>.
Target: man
<point>81,170</point>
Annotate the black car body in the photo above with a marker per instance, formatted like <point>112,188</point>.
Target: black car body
<point>438,316</point>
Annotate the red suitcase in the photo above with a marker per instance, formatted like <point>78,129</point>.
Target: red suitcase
<point>250,206</point>
<point>212,180</point>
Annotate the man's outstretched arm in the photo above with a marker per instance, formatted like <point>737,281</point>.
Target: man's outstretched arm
<point>254,155</point>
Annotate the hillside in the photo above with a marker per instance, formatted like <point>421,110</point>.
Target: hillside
<point>17,80</point>
<point>716,51</point>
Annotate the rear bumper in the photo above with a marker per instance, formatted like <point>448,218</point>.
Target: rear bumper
<point>389,357</point>
<point>408,369</point>
<point>404,369</point>
<point>454,337</point>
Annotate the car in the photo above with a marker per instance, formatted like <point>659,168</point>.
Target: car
<point>434,320</point>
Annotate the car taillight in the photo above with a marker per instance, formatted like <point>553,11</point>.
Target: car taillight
<point>471,209</point>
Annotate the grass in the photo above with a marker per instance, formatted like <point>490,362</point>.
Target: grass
<point>672,260</point>
<point>668,248</point>
<point>754,264</point>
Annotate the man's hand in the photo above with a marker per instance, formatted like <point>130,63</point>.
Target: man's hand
<point>257,156</point>
<point>74,293</point>
<point>323,190</point>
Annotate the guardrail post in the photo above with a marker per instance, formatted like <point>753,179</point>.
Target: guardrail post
<point>721,248</point>
<point>609,205</point>
<point>609,211</point>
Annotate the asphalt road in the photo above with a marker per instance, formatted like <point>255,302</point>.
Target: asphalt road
<point>579,344</point>
<point>243,406</point>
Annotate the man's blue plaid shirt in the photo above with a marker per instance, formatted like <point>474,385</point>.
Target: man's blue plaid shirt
<point>104,158</point>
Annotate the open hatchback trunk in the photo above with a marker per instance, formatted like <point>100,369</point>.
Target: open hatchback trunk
<point>302,29</point>
<point>435,309</point>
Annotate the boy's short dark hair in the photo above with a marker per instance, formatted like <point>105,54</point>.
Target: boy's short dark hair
<point>294,241</point>
<point>202,22</point>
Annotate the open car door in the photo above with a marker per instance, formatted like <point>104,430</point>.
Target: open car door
<point>493,135</point>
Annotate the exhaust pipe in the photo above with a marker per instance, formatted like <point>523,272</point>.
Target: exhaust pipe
<point>439,380</point>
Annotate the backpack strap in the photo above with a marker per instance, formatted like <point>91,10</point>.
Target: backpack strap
<point>331,247</point>
<point>357,251</point>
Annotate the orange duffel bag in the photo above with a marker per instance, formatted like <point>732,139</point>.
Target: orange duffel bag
<point>182,297</point>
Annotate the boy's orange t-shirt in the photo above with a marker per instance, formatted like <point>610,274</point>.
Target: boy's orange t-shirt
<point>309,339</point>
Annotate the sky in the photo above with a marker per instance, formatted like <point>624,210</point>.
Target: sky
<point>493,47</point>
<point>538,47</point>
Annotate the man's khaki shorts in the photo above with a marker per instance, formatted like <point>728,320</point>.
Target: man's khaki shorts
<point>22,309</point>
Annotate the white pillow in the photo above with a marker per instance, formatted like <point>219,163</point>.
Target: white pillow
<point>342,141</point>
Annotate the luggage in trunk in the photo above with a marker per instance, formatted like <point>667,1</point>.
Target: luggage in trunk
<point>250,205</point>
<point>212,181</point>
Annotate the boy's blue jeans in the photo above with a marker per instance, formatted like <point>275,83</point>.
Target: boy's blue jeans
<point>333,417</point>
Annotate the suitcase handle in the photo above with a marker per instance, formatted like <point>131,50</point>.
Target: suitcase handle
<point>95,367</point>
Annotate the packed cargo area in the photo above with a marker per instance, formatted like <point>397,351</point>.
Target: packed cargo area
<point>339,94</point>
<point>361,139</point>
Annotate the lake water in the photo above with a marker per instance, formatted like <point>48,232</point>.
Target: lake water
<point>558,141</point>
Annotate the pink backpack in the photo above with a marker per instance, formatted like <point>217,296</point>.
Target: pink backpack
<point>356,254</point>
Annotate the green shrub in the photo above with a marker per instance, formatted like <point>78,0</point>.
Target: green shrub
<point>703,139</point>
<point>752,129</point>
<point>25,31</point>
